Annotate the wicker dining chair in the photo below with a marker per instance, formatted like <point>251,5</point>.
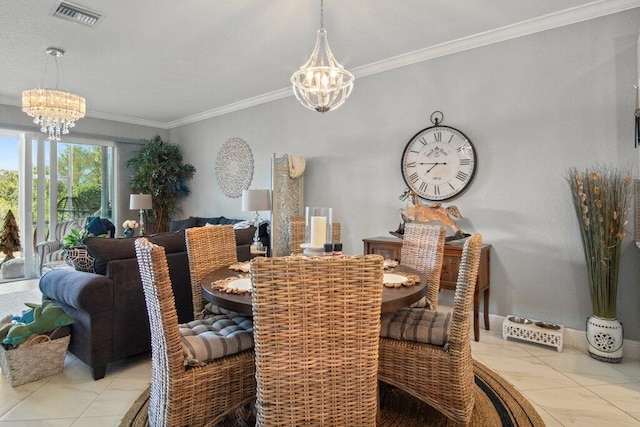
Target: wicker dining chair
<point>208,248</point>
<point>316,332</point>
<point>184,395</point>
<point>428,353</point>
<point>423,250</point>
<point>297,233</point>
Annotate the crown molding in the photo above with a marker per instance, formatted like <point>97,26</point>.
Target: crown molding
<point>562,18</point>
<point>125,119</point>
<point>230,108</point>
<point>9,101</point>
<point>543,23</point>
<point>5,100</point>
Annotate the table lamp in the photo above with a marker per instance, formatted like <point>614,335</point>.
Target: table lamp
<point>254,201</point>
<point>141,202</point>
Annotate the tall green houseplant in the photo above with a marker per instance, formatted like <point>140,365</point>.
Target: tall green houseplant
<point>601,196</point>
<point>159,170</point>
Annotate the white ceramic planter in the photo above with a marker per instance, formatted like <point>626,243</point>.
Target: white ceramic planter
<point>604,339</point>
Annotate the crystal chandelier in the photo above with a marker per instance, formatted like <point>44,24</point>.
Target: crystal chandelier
<point>56,111</point>
<point>322,84</point>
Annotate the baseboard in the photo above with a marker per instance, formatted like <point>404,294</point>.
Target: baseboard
<point>572,337</point>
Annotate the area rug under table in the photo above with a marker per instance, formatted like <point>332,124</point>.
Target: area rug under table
<point>498,403</point>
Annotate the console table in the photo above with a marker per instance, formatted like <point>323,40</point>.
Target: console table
<point>391,247</point>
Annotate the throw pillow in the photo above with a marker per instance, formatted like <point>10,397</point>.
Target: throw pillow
<point>95,226</point>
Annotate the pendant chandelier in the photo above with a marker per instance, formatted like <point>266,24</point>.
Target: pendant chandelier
<point>322,84</point>
<point>56,111</point>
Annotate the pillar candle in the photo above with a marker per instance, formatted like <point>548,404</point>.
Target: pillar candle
<point>318,231</point>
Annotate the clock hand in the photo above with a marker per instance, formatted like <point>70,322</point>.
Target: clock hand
<point>434,165</point>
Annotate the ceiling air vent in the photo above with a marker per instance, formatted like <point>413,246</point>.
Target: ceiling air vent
<point>77,14</point>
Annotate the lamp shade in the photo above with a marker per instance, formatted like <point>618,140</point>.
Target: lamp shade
<point>256,200</point>
<point>140,201</point>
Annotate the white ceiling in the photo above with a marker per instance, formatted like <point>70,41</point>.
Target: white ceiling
<point>167,62</point>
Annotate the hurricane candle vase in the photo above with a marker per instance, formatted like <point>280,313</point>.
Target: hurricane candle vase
<point>318,230</point>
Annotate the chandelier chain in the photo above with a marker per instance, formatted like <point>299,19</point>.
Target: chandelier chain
<point>59,74</point>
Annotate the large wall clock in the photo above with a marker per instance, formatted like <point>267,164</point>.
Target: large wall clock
<point>438,162</point>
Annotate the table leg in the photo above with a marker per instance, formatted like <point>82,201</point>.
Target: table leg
<point>476,306</point>
<point>486,309</point>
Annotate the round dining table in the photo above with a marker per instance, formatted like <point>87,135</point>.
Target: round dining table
<point>392,298</point>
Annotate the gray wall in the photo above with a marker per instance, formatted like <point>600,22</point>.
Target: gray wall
<point>533,107</point>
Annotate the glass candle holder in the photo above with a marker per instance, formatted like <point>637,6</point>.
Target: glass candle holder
<point>318,229</point>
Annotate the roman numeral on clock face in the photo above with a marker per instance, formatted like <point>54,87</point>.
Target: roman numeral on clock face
<point>462,176</point>
<point>414,177</point>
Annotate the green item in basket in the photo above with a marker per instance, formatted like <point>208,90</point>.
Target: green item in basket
<point>47,317</point>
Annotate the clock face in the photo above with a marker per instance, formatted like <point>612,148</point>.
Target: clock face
<point>438,163</point>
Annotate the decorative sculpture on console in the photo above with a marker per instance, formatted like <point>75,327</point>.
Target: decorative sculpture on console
<point>427,213</point>
<point>287,189</point>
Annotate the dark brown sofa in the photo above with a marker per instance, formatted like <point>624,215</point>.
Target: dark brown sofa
<point>109,306</point>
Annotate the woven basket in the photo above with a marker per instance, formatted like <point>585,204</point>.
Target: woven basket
<point>31,363</point>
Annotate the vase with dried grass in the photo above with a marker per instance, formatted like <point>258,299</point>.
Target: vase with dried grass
<point>601,196</point>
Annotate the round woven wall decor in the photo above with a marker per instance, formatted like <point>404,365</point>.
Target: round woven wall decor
<point>234,167</point>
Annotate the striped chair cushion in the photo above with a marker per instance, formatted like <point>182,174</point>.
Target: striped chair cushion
<point>215,337</point>
<point>423,303</point>
<point>416,324</point>
<point>212,310</point>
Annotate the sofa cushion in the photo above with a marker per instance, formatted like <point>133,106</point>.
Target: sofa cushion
<point>102,250</point>
<point>200,221</point>
<point>172,242</point>
<point>245,236</point>
<point>183,224</point>
<point>227,221</point>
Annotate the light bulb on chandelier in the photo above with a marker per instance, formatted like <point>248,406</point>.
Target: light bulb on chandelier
<point>56,111</point>
<point>322,84</point>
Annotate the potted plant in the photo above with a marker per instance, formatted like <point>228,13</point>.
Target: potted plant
<point>75,250</point>
<point>601,197</point>
<point>159,171</point>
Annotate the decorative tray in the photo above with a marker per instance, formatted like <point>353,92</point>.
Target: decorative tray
<point>397,280</point>
<point>233,285</point>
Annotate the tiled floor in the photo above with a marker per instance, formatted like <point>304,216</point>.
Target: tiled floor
<point>567,388</point>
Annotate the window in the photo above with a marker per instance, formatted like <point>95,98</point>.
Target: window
<point>44,183</point>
